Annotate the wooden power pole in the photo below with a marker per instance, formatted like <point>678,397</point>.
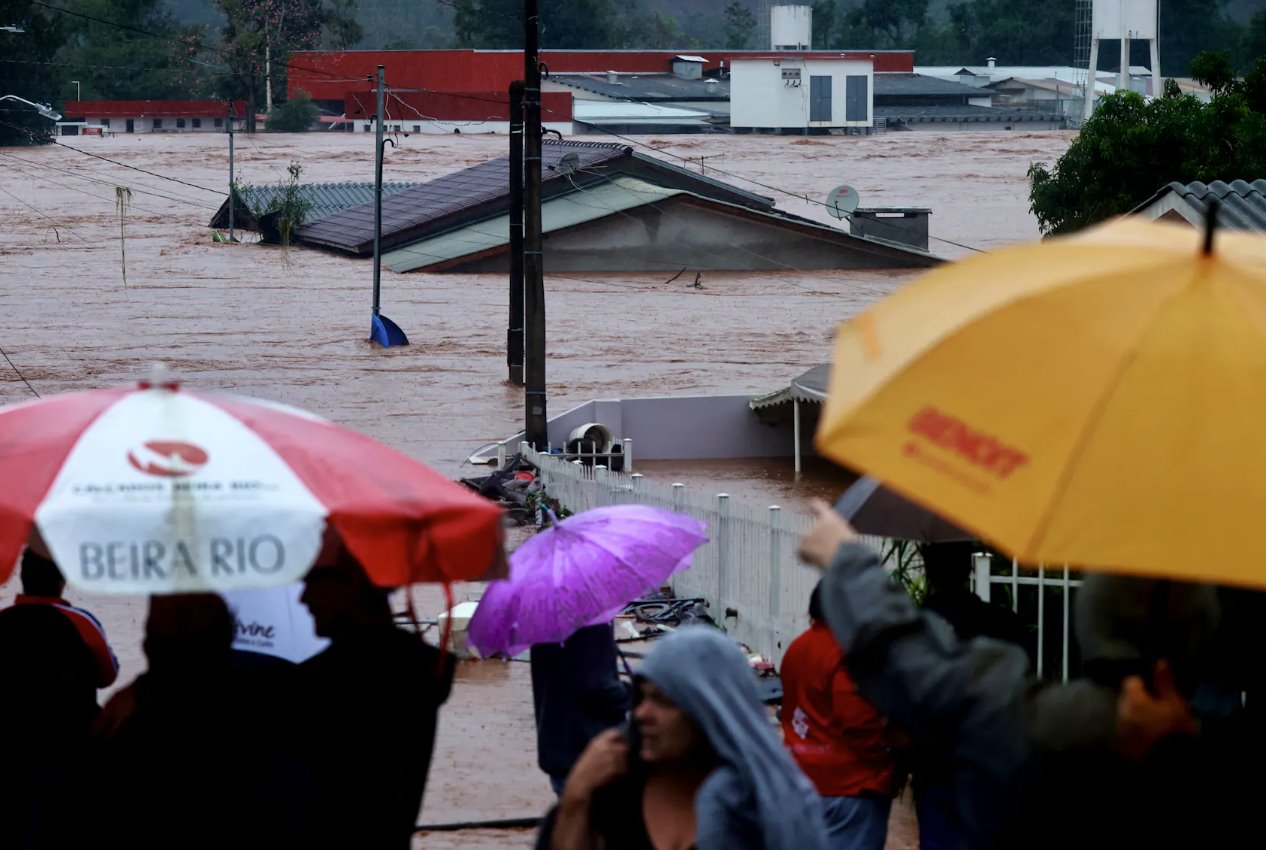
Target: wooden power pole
<point>535,420</point>
<point>514,330</point>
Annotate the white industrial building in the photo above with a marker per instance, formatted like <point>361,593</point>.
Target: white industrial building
<point>800,93</point>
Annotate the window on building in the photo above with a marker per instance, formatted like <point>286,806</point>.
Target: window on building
<point>180,123</point>
<point>219,122</point>
<point>158,123</point>
<point>105,122</point>
<point>417,128</point>
<point>856,98</point>
<point>197,123</point>
<point>820,98</point>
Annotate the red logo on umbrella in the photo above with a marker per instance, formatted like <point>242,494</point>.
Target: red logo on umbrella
<point>168,458</point>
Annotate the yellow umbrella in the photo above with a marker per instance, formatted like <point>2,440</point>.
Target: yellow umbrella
<point>1095,400</point>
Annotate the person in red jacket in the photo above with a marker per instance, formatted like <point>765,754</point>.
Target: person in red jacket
<point>838,738</point>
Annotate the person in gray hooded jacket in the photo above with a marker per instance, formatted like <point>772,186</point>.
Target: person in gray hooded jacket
<point>702,766</point>
<point>1109,760</point>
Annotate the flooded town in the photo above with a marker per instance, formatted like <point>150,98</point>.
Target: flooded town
<point>483,425</point>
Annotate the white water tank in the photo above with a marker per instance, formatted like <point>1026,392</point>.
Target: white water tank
<point>791,27</point>
<point>1117,19</point>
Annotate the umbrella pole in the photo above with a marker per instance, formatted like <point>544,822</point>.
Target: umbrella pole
<point>795,426</point>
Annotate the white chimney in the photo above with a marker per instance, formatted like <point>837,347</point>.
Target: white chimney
<point>991,62</point>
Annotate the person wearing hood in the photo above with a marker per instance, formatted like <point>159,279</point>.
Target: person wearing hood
<point>701,768</point>
<point>1114,755</point>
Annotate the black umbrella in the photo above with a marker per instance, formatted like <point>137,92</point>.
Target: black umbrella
<point>872,508</point>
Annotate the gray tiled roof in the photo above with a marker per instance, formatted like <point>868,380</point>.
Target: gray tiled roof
<point>352,229</point>
<point>963,113</point>
<point>1243,203</point>
<point>323,199</point>
<point>647,87</point>
<point>918,85</point>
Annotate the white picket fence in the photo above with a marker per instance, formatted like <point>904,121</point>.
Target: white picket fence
<point>748,572</point>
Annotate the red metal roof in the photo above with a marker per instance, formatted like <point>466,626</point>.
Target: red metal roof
<point>331,74</point>
<point>153,108</point>
<point>452,106</point>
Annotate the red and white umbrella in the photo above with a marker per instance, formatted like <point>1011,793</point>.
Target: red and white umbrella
<point>155,489</point>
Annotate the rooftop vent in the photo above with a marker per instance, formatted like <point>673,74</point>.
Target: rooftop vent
<point>612,77</point>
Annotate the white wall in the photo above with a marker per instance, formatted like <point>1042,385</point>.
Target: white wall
<point>435,125</point>
<point>760,98</point>
<point>146,125</point>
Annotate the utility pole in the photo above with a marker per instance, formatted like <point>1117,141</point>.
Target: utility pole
<point>268,79</point>
<point>232,186</point>
<point>536,431</point>
<point>382,79</point>
<point>514,331</point>
<point>381,329</point>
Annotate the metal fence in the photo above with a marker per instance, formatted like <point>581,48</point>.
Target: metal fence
<point>753,580</point>
<point>748,571</point>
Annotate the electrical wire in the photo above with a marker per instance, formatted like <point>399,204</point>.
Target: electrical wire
<point>98,197</point>
<point>146,190</point>
<point>19,373</point>
<point>56,224</point>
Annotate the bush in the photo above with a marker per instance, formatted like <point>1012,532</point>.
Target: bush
<point>296,115</point>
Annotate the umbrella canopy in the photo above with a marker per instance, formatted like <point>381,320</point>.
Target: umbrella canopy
<point>582,570</point>
<point>272,621</point>
<point>872,508</point>
<point>159,490</point>
<point>1095,400</point>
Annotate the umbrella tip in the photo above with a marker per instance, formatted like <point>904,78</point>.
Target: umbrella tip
<point>1211,224</point>
<point>160,378</point>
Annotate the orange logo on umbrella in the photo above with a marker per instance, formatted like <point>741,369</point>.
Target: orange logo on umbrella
<point>168,458</point>
<point>972,445</point>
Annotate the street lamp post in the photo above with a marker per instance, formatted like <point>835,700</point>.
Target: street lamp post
<point>42,108</point>
<point>76,82</point>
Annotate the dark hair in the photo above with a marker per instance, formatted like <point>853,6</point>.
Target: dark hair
<point>40,575</point>
<point>815,603</point>
<point>188,630</point>
<point>947,565</point>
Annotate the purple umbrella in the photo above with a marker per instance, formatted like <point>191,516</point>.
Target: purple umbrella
<point>579,572</point>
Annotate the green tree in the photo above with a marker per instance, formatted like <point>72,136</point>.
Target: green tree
<point>1255,36</point>
<point>262,33</point>
<point>565,24</point>
<point>27,72</point>
<point>342,24</point>
<point>740,25</point>
<point>1017,32</point>
<point>294,116</point>
<point>1189,26</point>
<point>144,53</point>
<point>1131,148</point>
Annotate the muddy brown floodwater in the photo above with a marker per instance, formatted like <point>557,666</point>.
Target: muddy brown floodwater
<point>291,326</point>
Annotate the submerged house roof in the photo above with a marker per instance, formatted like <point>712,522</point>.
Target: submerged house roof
<point>322,198</point>
<point>608,208</point>
<point>1243,204</point>
<point>627,224</point>
<point>647,88</point>
<point>483,191</point>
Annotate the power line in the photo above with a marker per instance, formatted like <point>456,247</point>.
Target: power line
<point>56,224</point>
<point>138,168</point>
<point>30,133</point>
<point>98,180</point>
<point>19,373</point>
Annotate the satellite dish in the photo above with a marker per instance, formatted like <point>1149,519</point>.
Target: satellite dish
<point>842,201</point>
<point>569,164</point>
